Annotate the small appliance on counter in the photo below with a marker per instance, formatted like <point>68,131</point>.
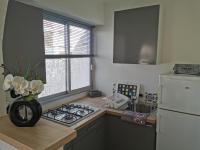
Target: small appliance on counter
<point>128,89</point>
<point>124,94</point>
<point>94,93</point>
<point>117,101</point>
<point>188,69</point>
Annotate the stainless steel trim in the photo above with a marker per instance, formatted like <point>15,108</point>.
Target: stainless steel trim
<point>67,56</point>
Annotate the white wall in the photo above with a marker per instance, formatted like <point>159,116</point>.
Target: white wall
<point>90,11</point>
<point>182,31</point>
<point>179,42</point>
<point>3,9</point>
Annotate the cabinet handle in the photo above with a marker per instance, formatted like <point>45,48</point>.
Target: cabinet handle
<point>187,87</point>
<point>158,124</point>
<point>93,127</point>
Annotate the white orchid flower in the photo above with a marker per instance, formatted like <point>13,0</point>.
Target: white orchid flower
<point>26,92</point>
<point>8,82</point>
<point>20,85</point>
<point>36,86</point>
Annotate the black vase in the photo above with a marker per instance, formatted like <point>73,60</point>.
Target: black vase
<point>24,113</point>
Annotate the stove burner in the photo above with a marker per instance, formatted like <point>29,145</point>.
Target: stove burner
<point>54,112</point>
<point>68,117</point>
<point>69,114</point>
<point>81,111</point>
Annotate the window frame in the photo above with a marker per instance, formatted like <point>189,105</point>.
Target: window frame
<point>67,22</point>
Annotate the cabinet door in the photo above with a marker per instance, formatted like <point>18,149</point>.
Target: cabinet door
<point>177,131</point>
<point>122,135</point>
<point>94,139</point>
<point>68,146</point>
<point>180,94</point>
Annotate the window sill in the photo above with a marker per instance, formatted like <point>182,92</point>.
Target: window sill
<point>62,99</point>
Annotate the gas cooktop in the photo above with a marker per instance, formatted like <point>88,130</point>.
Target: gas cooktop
<point>69,114</point>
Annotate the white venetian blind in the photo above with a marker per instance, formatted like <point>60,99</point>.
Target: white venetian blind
<point>68,54</point>
<point>55,38</point>
<point>80,67</point>
<point>79,40</point>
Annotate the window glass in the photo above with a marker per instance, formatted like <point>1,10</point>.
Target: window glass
<point>79,40</point>
<point>55,77</point>
<point>66,70</point>
<point>54,37</point>
<point>80,72</point>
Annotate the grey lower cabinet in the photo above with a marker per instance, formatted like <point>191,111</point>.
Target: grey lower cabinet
<point>122,135</point>
<point>111,133</point>
<point>91,137</point>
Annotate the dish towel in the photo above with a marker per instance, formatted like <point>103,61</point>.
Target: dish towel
<point>135,117</point>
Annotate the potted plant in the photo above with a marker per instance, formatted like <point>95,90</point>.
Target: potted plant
<point>24,110</point>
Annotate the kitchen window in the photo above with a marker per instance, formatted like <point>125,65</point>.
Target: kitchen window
<point>67,56</point>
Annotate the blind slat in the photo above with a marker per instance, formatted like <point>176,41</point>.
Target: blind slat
<point>56,41</point>
<point>79,40</point>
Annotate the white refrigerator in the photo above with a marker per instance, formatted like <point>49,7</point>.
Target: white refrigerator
<point>178,117</point>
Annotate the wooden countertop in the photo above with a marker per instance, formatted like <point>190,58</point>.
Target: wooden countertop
<point>100,103</point>
<point>46,135</point>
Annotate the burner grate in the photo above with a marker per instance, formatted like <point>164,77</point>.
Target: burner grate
<point>69,114</point>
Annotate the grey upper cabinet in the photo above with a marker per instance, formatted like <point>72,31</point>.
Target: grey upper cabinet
<point>136,35</point>
<point>23,41</point>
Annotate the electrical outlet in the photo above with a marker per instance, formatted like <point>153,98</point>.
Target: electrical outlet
<point>151,97</point>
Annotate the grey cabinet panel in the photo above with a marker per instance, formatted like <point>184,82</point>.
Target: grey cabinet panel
<point>136,35</point>
<point>111,133</point>
<point>91,137</point>
<point>93,141</point>
<point>23,41</point>
<point>122,135</point>
<point>68,146</point>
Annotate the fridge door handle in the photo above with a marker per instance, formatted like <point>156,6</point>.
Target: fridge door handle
<point>160,94</point>
<point>158,124</point>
